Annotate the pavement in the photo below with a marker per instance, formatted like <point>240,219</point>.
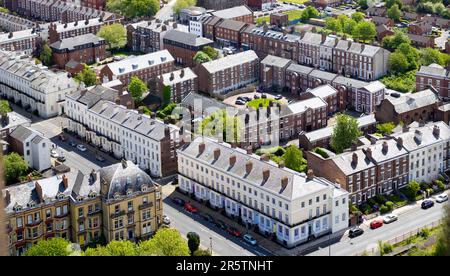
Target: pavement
<point>440,41</point>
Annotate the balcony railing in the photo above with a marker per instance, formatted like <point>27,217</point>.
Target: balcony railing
<point>145,205</point>
<point>118,214</point>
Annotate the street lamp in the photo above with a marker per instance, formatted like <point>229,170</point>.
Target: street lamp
<point>210,245</point>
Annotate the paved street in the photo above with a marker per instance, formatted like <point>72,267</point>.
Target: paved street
<point>166,12</point>
<point>223,244</point>
<point>440,41</point>
<point>409,220</point>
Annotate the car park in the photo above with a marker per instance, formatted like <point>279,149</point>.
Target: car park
<point>376,224</point>
<point>441,198</point>
<point>191,209</point>
<point>355,232</point>
<point>390,218</point>
<point>81,148</point>
<point>178,201</point>
<point>249,239</point>
<point>427,204</point>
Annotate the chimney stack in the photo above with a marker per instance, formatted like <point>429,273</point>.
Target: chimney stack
<point>324,37</point>
<point>201,147</point>
<point>216,153</point>
<point>266,174</point>
<point>310,175</point>
<point>172,76</point>
<point>7,198</point>
<point>124,163</point>
<point>436,131</point>
<point>281,164</point>
<point>65,181</point>
<point>129,105</point>
<point>117,101</point>
<point>354,159</point>
<point>400,142</point>
<point>284,182</point>
<point>418,136</point>
<point>249,150</point>
<point>141,109</point>
<point>385,147</point>
<point>264,157</point>
<point>182,73</point>
<point>354,147</point>
<point>405,128</point>
<point>369,153</point>
<point>38,189</point>
<point>232,160</point>
<point>248,167</point>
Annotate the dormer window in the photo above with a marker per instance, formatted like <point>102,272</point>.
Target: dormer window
<point>80,198</point>
<point>116,195</point>
<point>60,196</point>
<point>144,188</point>
<point>92,195</point>
<point>17,208</point>
<point>31,204</point>
<point>129,192</point>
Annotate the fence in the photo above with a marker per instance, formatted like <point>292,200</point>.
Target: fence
<point>403,237</point>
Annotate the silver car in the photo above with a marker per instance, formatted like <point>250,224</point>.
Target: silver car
<point>441,198</point>
<point>390,218</point>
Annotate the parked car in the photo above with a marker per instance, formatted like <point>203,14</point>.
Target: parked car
<point>249,239</point>
<point>233,231</point>
<point>221,224</point>
<point>427,204</point>
<point>81,148</point>
<point>278,97</point>
<point>178,201</point>
<point>54,153</point>
<point>62,137</point>
<point>61,158</point>
<point>72,144</point>
<point>208,217</point>
<point>376,224</point>
<point>191,209</point>
<point>166,220</point>
<point>390,218</point>
<point>441,198</point>
<point>255,97</point>
<point>355,232</point>
<point>246,99</point>
<point>100,158</point>
<point>301,6</point>
<point>238,102</point>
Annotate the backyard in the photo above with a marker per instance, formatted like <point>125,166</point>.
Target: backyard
<point>292,15</point>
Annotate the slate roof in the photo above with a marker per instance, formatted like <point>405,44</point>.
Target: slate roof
<point>276,61</point>
<point>229,61</point>
<point>433,70</point>
<point>125,66</point>
<point>71,43</point>
<point>233,12</point>
<point>187,38</point>
<point>411,101</point>
<point>21,133</point>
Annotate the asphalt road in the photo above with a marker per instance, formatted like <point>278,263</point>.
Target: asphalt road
<point>223,244</point>
<point>408,221</point>
<point>166,12</point>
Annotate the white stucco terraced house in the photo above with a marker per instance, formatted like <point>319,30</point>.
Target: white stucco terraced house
<point>290,205</point>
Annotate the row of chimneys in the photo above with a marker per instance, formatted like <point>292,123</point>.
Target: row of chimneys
<point>249,164</point>
<point>172,75</point>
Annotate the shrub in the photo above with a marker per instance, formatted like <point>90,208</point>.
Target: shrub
<point>321,152</point>
<point>390,205</point>
<point>424,233</point>
<point>384,209</point>
<point>366,209</point>
<point>387,248</point>
<point>380,199</point>
<point>440,184</point>
<point>423,186</point>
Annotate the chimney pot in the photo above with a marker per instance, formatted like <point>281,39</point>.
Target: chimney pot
<point>400,142</point>
<point>436,131</point>
<point>369,153</point>
<point>65,181</point>
<point>354,159</point>
<point>385,146</point>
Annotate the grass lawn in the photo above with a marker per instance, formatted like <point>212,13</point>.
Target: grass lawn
<point>265,102</point>
<point>292,15</point>
<point>263,19</point>
<point>397,200</point>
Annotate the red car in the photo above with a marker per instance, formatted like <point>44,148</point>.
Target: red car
<point>234,232</point>
<point>376,224</point>
<point>188,207</point>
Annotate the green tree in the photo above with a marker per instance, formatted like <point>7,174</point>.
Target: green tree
<point>398,63</point>
<point>166,95</point>
<point>211,52</point>
<point>133,8</point>
<point>363,4</point>
<point>46,55</point>
<point>442,247</point>
<point>166,242</point>
<point>411,54</point>
<point>182,4</point>
<point>293,159</point>
<point>221,125</point>
<point>87,76</point>
<point>333,24</point>
<point>390,3</point>
<point>15,167</point>
<point>386,128</point>
<point>51,247</point>
<point>345,133</point>
<point>193,242</point>
<point>309,12</point>
<point>4,10</point>
<point>137,88</point>
<point>430,55</point>
<point>358,16</point>
<point>411,189</point>
<point>201,57</point>
<point>392,42</point>
<point>114,34</point>
<point>394,13</point>
<point>114,248</point>
<point>4,107</point>
<point>365,31</point>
